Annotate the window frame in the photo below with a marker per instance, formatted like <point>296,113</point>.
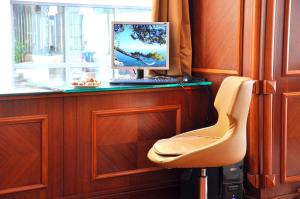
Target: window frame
<point>89,3</point>
<point>68,3</point>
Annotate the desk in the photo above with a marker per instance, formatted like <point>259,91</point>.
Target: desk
<point>81,143</point>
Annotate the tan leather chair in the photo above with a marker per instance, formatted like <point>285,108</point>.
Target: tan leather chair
<point>221,144</point>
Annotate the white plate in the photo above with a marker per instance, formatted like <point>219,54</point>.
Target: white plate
<point>78,86</point>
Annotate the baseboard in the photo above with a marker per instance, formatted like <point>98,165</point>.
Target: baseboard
<point>164,191</point>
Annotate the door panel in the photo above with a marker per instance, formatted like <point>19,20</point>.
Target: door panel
<point>284,60</point>
<point>290,137</point>
<point>290,167</point>
<point>291,58</point>
<point>270,32</point>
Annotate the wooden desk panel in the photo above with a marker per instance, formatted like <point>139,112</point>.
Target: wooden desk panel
<point>31,161</point>
<point>96,143</point>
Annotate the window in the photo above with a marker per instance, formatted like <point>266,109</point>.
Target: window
<point>60,42</point>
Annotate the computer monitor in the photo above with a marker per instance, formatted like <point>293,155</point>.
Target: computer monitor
<point>140,45</point>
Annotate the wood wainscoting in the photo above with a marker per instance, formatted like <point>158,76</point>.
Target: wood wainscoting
<point>109,135</point>
<point>121,138</point>
<point>31,138</point>
<point>93,145</point>
<point>24,153</point>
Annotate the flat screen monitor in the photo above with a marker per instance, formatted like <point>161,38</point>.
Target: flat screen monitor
<point>140,45</point>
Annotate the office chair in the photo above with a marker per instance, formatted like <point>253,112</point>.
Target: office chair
<point>219,145</point>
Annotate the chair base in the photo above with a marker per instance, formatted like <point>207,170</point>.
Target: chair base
<point>203,184</point>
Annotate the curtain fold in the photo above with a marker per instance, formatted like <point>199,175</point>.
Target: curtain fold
<point>177,13</point>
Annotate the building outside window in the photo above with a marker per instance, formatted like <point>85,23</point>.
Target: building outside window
<point>57,42</point>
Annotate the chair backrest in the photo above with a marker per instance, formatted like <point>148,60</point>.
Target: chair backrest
<point>232,100</point>
<point>232,103</point>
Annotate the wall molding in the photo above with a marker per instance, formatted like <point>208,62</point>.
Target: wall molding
<point>216,71</point>
<point>43,120</point>
<point>127,111</point>
<point>289,196</point>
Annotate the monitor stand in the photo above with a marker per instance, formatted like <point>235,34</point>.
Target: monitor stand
<point>139,73</point>
<point>141,80</point>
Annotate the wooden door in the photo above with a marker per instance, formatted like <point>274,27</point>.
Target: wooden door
<point>282,129</point>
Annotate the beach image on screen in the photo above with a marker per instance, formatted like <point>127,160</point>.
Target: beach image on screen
<point>140,45</point>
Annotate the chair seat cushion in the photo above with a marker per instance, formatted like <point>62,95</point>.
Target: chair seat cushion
<point>181,145</point>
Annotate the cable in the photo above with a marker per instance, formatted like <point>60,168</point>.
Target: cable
<point>208,91</point>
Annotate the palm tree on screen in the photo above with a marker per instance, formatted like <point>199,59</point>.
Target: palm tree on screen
<point>148,35</point>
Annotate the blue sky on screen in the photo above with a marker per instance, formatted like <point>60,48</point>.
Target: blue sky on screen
<point>131,45</point>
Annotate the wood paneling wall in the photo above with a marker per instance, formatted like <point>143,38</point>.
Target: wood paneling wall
<point>217,29</point>
<point>31,137</point>
<point>93,145</point>
<point>110,134</point>
<point>121,138</point>
<point>24,153</point>
<point>259,39</point>
<point>227,41</point>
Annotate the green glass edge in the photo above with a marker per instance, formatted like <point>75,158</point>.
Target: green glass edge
<point>107,87</point>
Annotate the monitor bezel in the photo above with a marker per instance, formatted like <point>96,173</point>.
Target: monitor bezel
<point>140,67</point>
